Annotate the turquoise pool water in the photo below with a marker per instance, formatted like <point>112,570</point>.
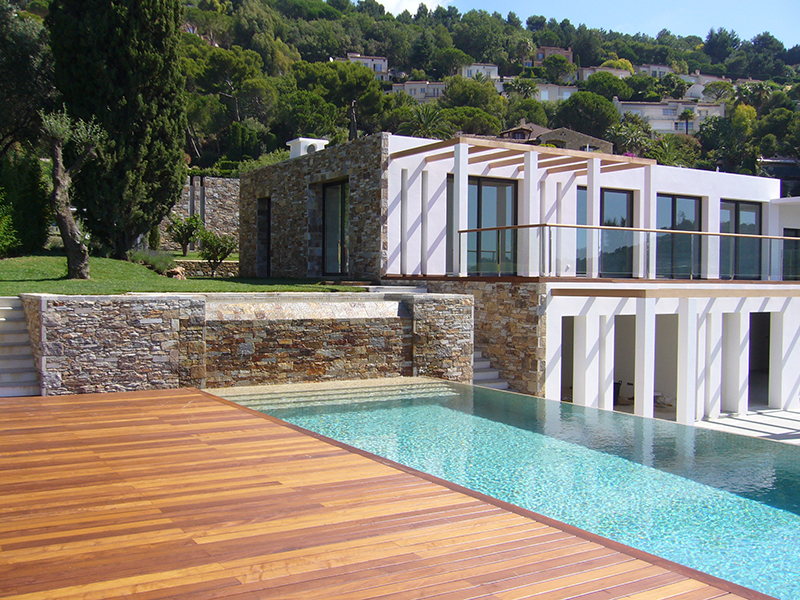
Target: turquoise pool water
<point>723,504</point>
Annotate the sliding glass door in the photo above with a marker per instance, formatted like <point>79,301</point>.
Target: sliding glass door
<point>740,258</point>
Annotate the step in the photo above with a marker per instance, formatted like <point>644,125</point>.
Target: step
<point>477,355</point>
<point>19,362</point>
<point>15,349</point>
<point>495,385</point>
<point>10,302</point>
<point>481,363</point>
<point>15,337</point>
<point>19,376</point>
<point>485,374</point>
<point>19,390</point>
<point>15,324</point>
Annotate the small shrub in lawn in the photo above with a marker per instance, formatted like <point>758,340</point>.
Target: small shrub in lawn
<point>160,262</point>
<point>184,231</point>
<point>8,235</point>
<point>215,248</point>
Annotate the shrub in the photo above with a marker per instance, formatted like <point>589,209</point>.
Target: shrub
<point>8,235</point>
<point>23,178</point>
<point>184,231</point>
<point>158,261</point>
<point>215,248</point>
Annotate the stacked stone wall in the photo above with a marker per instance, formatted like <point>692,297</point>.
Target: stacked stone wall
<point>294,188</point>
<point>219,197</point>
<point>88,344</point>
<point>85,344</point>
<point>509,326</point>
<point>201,268</point>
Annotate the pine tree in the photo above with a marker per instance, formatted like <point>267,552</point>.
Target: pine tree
<point>118,63</point>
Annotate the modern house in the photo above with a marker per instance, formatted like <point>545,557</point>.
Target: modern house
<point>663,116</point>
<point>377,64</point>
<point>421,91</point>
<point>553,91</point>
<point>590,271</point>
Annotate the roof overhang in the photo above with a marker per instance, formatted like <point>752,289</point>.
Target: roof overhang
<point>498,153</point>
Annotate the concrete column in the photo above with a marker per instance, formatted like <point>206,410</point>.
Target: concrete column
<point>735,362</point>
<point>586,361</point>
<point>645,367</point>
<point>700,388</point>
<point>424,244</point>
<point>784,357</point>
<point>713,373</point>
<point>687,361</point>
<point>593,217</point>
<point>709,267</point>
<point>404,221</point>
<point>529,214</point>
<point>645,252</point>
<point>552,386</point>
<point>460,205</point>
<point>606,365</point>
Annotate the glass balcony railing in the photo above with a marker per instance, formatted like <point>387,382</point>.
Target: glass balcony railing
<point>545,250</point>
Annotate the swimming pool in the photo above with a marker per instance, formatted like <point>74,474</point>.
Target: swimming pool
<point>723,504</point>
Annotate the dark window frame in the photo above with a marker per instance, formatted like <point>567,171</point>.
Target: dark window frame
<point>343,201</point>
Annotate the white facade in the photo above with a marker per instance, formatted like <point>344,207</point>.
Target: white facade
<point>377,64</point>
<point>663,116</point>
<point>486,69</point>
<point>697,340</point>
<point>421,91</point>
<point>657,71</point>
<point>552,92</point>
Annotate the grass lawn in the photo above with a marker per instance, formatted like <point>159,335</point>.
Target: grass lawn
<point>47,275</point>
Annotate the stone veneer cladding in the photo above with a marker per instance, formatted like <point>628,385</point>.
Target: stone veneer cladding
<point>294,188</point>
<point>88,344</point>
<point>509,326</point>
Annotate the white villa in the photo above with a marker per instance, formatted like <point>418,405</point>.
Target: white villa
<point>590,271</point>
<point>663,116</point>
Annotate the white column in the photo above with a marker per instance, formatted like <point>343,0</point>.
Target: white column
<point>424,245</point>
<point>593,217</point>
<point>529,214</point>
<point>702,368</point>
<point>645,362</point>
<point>404,221</point>
<point>713,378</point>
<point>646,242</point>
<point>784,357</point>
<point>606,365</point>
<point>586,361</point>
<point>687,361</point>
<point>735,362</point>
<point>460,206</point>
<point>552,382</point>
<point>709,268</point>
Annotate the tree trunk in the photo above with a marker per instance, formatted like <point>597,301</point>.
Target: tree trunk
<point>77,254</point>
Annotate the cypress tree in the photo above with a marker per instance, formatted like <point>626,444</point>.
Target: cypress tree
<point>118,62</point>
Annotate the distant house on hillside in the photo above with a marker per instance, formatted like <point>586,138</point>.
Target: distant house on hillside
<point>663,116</point>
<point>530,133</point>
<point>544,52</point>
<point>377,64</point>
<point>421,91</point>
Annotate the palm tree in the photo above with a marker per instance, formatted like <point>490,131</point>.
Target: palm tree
<point>426,120</point>
<point>686,116</point>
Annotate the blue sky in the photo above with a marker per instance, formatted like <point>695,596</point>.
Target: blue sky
<point>682,17</point>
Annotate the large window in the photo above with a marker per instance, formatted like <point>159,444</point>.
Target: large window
<point>791,255</point>
<point>739,258</point>
<point>334,221</point>
<point>677,254</point>
<point>492,203</point>
<point>616,210</point>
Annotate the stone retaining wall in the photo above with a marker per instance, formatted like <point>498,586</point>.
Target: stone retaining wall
<point>509,327</point>
<point>88,344</point>
<point>201,268</point>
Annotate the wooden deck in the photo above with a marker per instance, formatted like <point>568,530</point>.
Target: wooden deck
<point>177,494</point>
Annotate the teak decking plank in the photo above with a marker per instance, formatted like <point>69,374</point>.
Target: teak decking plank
<point>177,494</point>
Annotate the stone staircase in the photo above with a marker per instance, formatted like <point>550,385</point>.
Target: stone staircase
<point>483,373</point>
<point>18,375</point>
